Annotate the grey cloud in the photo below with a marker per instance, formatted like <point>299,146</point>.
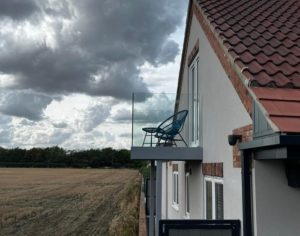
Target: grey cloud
<point>125,135</point>
<point>60,125</point>
<point>5,136</point>
<point>58,137</point>
<point>5,129</point>
<point>155,109</point>
<point>25,122</point>
<point>101,49</point>
<point>94,116</point>
<point>17,9</point>
<point>4,120</point>
<point>24,103</point>
<point>168,52</point>
<point>122,115</point>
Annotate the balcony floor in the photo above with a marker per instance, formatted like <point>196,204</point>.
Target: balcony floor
<point>167,153</point>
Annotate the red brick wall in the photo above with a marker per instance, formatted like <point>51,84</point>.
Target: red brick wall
<point>213,169</point>
<point>247,135</point>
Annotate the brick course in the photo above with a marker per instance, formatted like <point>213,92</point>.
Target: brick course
<point>247,135</point>
<point>213,169</point>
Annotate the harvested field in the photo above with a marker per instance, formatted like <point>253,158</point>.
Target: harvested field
<point>68,201</point>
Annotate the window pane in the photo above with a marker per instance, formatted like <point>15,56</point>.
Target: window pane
<point>219,201</point>
<point>187,193</point>
<point>193,88</point>
<point>208,200</point>
<point>177,188</point>
<point>193,108</point>
<point>174,190</point>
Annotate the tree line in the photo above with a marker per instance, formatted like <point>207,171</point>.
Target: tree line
<point>59,157</point>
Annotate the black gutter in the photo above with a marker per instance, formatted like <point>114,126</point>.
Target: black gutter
<point>246,160</point>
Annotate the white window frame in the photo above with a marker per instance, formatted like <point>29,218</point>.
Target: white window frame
<point>175,192</point>
<point>194,103</point>
<point>213,180</point>
<point>187,195</point>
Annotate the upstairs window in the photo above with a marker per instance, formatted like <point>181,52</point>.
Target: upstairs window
<point>187,194</point>
<point>175,199</point>
<point>194,108</point>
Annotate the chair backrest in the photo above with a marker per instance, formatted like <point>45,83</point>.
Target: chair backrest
<point>174,124</point>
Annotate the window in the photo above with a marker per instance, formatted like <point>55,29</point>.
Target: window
<point>187,194</point>
<point>214,205</point>
<point>175,186</point>
<point>194,116</point>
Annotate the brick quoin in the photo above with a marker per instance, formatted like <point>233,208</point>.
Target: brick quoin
<point>224,59</point>
<point>247,135</point>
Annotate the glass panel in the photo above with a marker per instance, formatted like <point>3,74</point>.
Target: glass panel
<point>209,211</point>
<point>219,201</point>
<point>151,110</point>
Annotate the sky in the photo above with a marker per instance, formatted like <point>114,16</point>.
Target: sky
<point>68,69</point>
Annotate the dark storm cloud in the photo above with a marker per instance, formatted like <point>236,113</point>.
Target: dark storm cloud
<point>98,51</point>
<point>24,104</point>
<point>17,9</point>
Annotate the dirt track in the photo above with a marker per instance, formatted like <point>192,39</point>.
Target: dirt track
<point>61,201</point>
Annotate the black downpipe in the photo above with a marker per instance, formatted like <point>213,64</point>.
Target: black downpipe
<point>246,160</point>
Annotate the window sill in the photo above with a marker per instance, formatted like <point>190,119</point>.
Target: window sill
<point>175,206</point>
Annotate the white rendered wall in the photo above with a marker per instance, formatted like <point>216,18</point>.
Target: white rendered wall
<point>222,112</point>
<point>277,204</point>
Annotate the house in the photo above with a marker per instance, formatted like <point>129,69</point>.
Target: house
<point>240,81</point>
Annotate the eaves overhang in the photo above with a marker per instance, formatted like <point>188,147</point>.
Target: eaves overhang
<point>167,153</point>
<point>274,147</point>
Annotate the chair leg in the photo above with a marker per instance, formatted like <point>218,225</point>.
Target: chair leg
<point>144,138</point>
<point>183,140</point>
<point>158,142</point>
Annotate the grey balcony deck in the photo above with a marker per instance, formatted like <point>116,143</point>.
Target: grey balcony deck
<point>167,153</point>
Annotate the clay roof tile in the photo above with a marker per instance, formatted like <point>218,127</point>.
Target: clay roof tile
<point>262,37</point>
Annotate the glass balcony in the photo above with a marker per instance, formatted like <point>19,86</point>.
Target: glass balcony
<point>149,111</point>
